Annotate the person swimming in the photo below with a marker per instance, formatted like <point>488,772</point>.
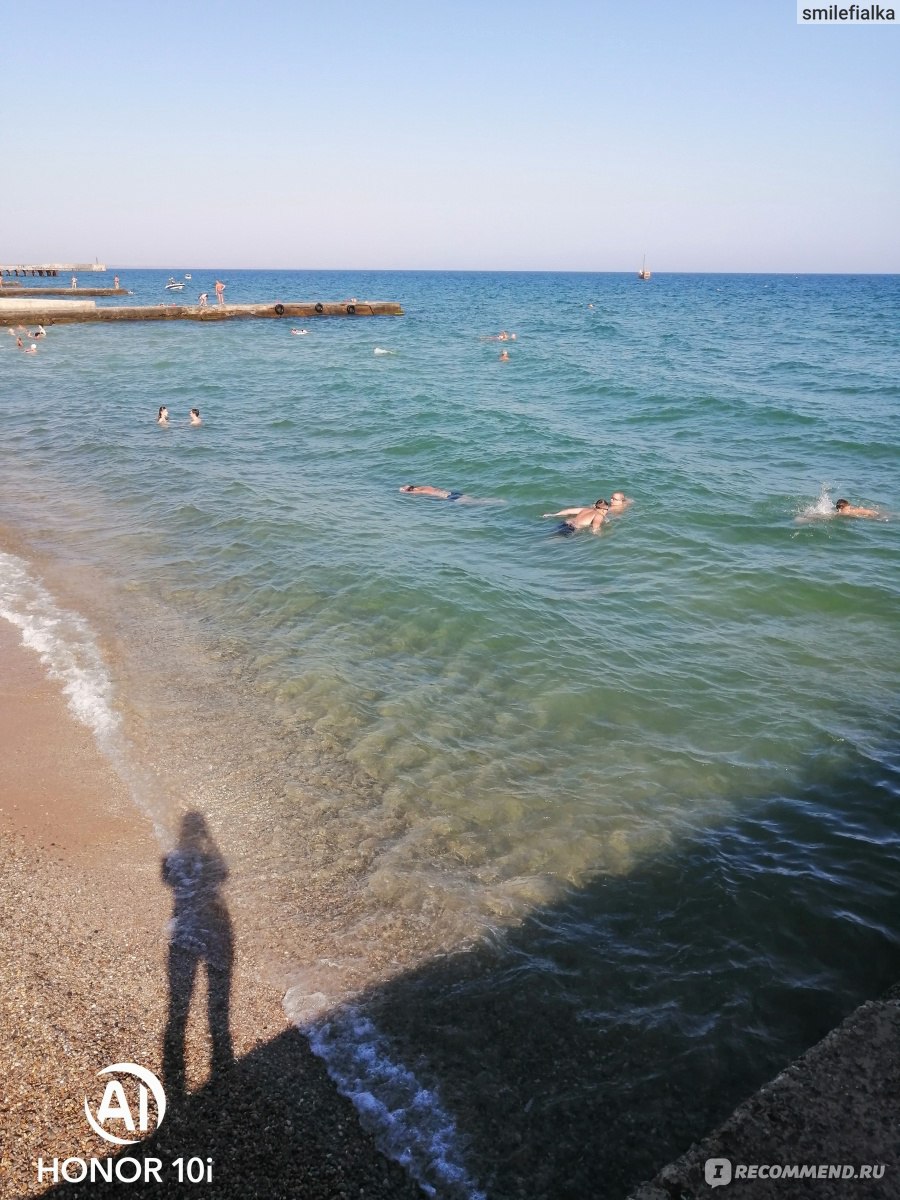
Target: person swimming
<point>412,489</point>
<point>590,516</point>
<point>162,417</point>
<point>194,416</point>
<point>843,508</point>
<point>618,502</point>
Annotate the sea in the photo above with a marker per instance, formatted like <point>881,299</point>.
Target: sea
<point>558,846</point>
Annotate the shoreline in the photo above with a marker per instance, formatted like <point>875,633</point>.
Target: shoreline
<point>84,918</point>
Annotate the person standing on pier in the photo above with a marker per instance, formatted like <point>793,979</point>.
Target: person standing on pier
<point>116,282</point>
<point>74,281</point>
<point>203,299</point>
<point>220,291</point>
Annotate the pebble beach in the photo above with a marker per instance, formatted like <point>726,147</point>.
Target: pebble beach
<point>83,924</point>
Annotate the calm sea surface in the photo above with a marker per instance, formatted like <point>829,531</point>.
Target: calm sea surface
<point>559,846</point>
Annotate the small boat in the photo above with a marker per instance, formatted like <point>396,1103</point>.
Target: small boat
<point>187,277</point>
<point>174,285</point>
<point>643,273</point>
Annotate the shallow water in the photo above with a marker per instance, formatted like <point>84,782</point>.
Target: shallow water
<point>647,780</point>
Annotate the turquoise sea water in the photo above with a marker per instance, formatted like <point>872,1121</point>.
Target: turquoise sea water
<point>596,832</point>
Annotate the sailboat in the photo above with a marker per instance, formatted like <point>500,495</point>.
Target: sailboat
<point>643,273</point>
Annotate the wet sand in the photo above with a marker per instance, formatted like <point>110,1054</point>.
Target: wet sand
<point>84,983</point>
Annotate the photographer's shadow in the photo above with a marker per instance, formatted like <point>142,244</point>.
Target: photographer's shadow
<point>200,932</point>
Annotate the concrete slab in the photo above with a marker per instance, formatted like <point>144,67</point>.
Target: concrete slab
<point>835,1111</point>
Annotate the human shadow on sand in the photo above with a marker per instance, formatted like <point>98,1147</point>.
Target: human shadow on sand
<point>199,934</point>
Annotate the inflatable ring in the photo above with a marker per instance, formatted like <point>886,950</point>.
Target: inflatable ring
<point>279,308</point>
<point>320,308</point>
<point>351,309</point>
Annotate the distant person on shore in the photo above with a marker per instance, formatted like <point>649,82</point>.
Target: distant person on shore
<point>162,417</point>
<point>203,299</point>
<point>74,281</point>
<point>843,508</point>
<point>220,291</point>
<point>116,282</point>
<point>195,416</point>
<point>590,516</point>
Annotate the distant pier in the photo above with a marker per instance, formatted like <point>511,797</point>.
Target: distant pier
<point>50,269</point>
<point>14,311</point>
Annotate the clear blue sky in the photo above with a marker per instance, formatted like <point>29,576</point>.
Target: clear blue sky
<point>714,135</point>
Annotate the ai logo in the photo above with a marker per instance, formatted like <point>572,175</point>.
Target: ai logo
<point>115,1107</point>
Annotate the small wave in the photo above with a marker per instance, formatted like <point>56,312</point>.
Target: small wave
<point>69,652</point>
<point>406,1117</point>
<point>65,644</point>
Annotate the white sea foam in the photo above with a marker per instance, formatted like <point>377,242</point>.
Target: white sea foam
<point>822,506</point>
<point>66,647</point>
<point>407,1118</point>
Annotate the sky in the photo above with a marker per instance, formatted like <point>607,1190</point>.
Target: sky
<point>708,135</point>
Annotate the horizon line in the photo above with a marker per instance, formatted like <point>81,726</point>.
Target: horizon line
<point>498,270</point>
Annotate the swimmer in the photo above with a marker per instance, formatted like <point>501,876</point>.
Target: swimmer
<point>618,502</point>
<point>300,332</point>
<point>32,349</point>
<point>590,516</point>
<point>843,508</point>
<point>412,489</point>
<point>504,356</point>
<point>162,417</point>
<point>39,332</point>
<point>380,350</point>
<point>194,416</point>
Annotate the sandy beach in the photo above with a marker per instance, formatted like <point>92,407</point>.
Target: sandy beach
<point>84,983</point>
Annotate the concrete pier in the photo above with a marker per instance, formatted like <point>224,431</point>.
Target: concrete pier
<point>833,1111</point>
<point>54,312</point>
<point>14,291</point>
